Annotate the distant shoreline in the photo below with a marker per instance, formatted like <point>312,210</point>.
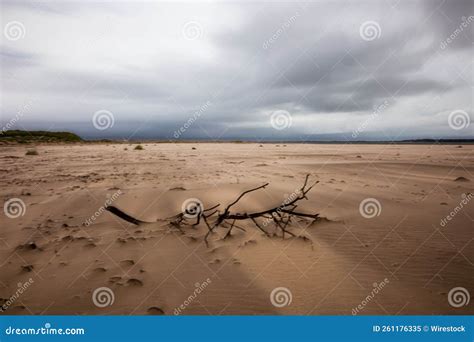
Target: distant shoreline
<point>282,142</point>
<point>27,137</point>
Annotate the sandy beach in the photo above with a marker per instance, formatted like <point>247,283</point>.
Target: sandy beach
<point>383,243</point>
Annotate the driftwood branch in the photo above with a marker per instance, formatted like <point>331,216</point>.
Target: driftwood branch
<point>281,216</point>
<point>123,215</point>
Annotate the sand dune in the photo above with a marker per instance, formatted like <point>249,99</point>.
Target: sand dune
<point>69,245</point>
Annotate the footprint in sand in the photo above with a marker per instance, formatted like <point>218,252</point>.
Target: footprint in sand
<point>27,268</point>
<point>128,262</point>
<point>27,246</point>
<point>99,270</point>
<point>193,238</point>
<point>155,311</point>
<point>248,242</point>
<point>214,250</point>
<point>134,282</point>
<point>114,279</point>
<point>178,188</point>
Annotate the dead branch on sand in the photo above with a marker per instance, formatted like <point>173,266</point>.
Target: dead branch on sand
<point>281,216</point>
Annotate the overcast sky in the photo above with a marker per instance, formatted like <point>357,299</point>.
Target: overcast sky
<point>382,69</point>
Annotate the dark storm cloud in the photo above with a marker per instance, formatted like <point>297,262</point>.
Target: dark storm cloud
<point>249,60</point>
<point>334,72</point>
<point>448,16</point>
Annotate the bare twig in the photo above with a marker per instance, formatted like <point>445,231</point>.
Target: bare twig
<point>281,216</point>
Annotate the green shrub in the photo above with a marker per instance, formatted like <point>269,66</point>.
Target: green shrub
<point>31,152</point>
